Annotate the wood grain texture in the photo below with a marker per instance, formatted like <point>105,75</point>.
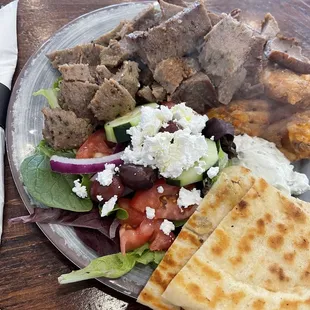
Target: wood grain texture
<point>29,263</point>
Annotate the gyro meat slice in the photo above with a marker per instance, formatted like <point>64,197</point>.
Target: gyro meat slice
<point>128,76</point>
<point>168,9</point>
<point>224,55</point>
<point>114,54</point>
<point>86,54</point>
<point>172,71</point>
<point>146,93</point>
<point>159,93</point>
<point>63,130</point>
<point>286,52</point>
<point>270,27</point>
<point>198,92</point>
<point>76,96</point>
<point>102,73</point>
<point>111,100</point>
<point>76,72</point>
<point>177,36</point>
<point>114,34</point>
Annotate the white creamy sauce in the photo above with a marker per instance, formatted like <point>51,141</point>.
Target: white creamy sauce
<point>265,160</point>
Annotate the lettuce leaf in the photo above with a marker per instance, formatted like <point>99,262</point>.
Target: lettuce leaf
<point>51,94</point>
<point>44,149</point>
<point>113,266</point>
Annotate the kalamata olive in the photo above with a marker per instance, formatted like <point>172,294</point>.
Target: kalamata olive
<point>137,177</point>
<point>172,127</point>
<point>107,192</point>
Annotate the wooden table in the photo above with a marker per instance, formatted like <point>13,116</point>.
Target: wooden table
<point>30,264</point>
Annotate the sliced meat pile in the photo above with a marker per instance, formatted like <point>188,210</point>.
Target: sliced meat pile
<point>224,55</point>
<point>184,52</point>
<point>175,37</point>
<point>63,130</point>
<point>111,100</point>
<point>76,96</point>
<point>128,76</point>
<point>81,54</point>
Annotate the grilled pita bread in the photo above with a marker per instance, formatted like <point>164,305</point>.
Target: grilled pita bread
<point>232,185</point>
<point>257,258</point>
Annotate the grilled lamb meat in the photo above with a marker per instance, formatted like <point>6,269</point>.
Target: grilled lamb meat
<point>175,37</point>
<point>252,87</point>
<point>168,9</point>
<point>177,2</point>
<point>114,34</point>
<point>286,52</point>
<point>172,71</point>
<point>114,54</point>
<point>81,54</point>
<point>63,130</point>
<point>147,19</point>
<point>111,100</point>
<point>198,93</point>
<point>270,27</point>
<point>215,18</point>
<point>76,72</point>
<point>76,96</point>
<point>146,93</point>
<point>102,73</point>
<point>224,55</point>
<point>128,76</point>
<point>159,93</point>
<point>146,75</point>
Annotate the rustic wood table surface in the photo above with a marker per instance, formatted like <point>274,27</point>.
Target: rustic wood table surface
<point>29,263</point>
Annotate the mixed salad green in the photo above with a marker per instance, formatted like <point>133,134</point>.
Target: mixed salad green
<point>131,186</point>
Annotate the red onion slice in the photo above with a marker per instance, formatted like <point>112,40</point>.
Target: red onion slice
<point>83,166</point>
<point>113,228</point>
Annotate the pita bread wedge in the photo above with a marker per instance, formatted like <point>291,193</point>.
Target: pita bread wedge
<point>232,185</point>
<point>258,258</point>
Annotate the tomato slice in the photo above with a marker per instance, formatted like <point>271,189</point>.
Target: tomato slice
<point>148,231</point>
<point>131,238</point>
<point>94,146</point>
<point>164,203</point>
<point>135,217</point>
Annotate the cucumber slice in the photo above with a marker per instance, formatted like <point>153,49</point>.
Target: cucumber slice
<point>116,129</point>
<point>190,176</point>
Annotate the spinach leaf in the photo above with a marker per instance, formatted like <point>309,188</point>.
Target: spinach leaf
<point>113,266</point>
<point>50,188</point>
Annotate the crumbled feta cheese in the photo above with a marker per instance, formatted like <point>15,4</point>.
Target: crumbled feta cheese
<point>188,198</point>
<point>201,167</point>
<point>188,118</point>
<point>108,206</point>
<point>170,153</point>
<point>79,190</point>
<point>167,227</point>
<point>116,169</point>
<point>213,172</point>
<point>150,213</point>
<point>99,197</point>
<point>160,189</point>
<point>212,138</point>
<point>105,177</point>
